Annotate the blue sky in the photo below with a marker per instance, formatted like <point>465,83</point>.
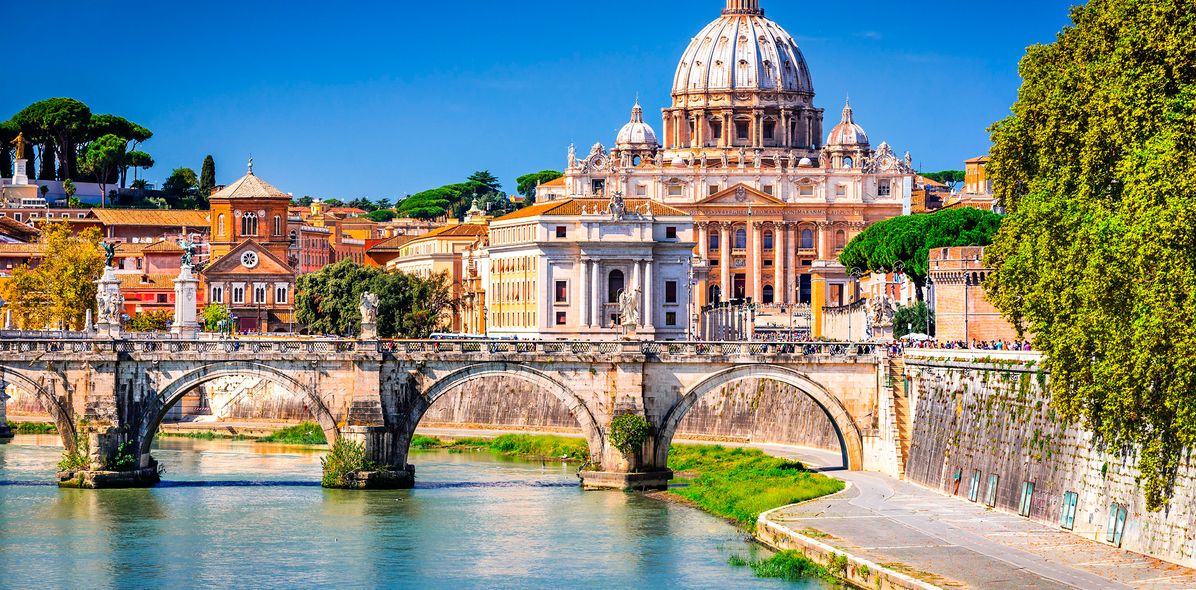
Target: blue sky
<point>385,98</point>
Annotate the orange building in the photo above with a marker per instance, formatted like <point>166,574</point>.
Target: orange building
<point>962,310</point>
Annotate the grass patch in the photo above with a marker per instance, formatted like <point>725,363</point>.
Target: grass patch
<point>739,484</point>
<point>531,446</point>
<point>33,428</point>
<point>791,566</point>
<point>203,435</point>
<point>305,433</point>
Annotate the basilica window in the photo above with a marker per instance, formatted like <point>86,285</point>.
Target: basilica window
<point>740,239</point>
<point>217,294</point>
<point>614,286</point>
<point>641,190</point>
<point>768,189</point>
<point>741,129</point>
<point>220,224</point>
<point>840,190</point>
<point>714,242</point>
<point>848,163</point>
<point>277,225</point>
<point>670,291</point>
<point>280,294</point>
<point>249,224</point>
<point>670,233</point>
<point>807,239</point>
<point>840,239</point>
<point>562,292</point>
<point>676,190</point>
<point>768,240</point>
<point>712,189</point>
<point>238,294</point>
<point>769,294</point>
<point>716,130</point>
<point>882,188</point>
<point>259,294</point>
<point>806,190</point>
<point>769,129</point>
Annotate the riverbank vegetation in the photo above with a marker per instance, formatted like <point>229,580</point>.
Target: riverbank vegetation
<point>530,446</point>
<point>346,459</point>
<point>739,484</point>
<point>32,428</point>
<point>790,566</point>
<point>305,433</point>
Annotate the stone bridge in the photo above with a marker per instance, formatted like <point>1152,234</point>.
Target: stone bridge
<point>113,393</point>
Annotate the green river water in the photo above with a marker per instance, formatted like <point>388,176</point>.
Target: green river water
<point>247,515</point>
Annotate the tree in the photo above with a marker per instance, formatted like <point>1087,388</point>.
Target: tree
<point>951,178</point>
<point>132,133</point>
<point>207,177</point>
<point>68,187</point>
<point>152,321</point>
<point>215,315</point>
<point>1094,166</point>
<point>486,179</point>
<point>383,203</point>
<point>47,169</point>
<point>327,301</point>
<point>916,318</point>
<point>526,184</point>
<point>334,203</point>
<point>362,203</point>
<point>138,160</point>
<point>8,133</point>
<point>304,201</point>
<point>62,288</point>
<point>181,186</point>
<point>61,122</point>
<point>381,215</point>
<point>102,158</point>
<point>906,241</point>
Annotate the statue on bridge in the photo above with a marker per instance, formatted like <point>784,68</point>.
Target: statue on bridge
<point>629,308</point>
<point>188,250</point>
<point>109,307</point>
<point>368,307</point>
<point>109,252</point>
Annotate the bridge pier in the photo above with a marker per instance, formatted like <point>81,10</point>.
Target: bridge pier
<point>379,444</point>
<point>108,459</point>
<point>5,432</point>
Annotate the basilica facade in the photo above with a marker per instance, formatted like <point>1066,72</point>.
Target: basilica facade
<point>743,152</point>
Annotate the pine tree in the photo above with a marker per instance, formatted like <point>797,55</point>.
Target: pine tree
<point>207,177</point>
<point>47,171</point>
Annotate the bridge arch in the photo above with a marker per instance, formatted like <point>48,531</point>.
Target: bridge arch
<point>62,415</point>
<point>577,407</point>
<point>168,396</point>
<point>851,442</point>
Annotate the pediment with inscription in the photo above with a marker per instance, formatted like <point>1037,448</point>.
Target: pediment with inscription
<point>742,195</point>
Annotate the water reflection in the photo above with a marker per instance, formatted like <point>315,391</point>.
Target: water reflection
<point>229,514</point>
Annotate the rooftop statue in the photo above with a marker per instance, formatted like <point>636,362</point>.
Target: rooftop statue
<point>109,252</point>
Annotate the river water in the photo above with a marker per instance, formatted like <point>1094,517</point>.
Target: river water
<point>242,514</point>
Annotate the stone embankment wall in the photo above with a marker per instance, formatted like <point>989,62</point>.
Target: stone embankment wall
<point>977,414</point>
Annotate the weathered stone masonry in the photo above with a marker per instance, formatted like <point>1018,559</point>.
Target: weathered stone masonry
<point>992,416</point>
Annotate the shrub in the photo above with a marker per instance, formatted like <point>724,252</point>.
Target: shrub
<point>304,433</point>
<point>344,460</point>
<point>629,432</point>
<point>78,459</point>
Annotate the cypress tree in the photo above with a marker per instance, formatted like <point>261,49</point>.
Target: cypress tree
<point>207,177</point>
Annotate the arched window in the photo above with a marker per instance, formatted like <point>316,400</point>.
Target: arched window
<point>807,239</point>
<point>635,161</point>
<point>220,225</point>
<point>249,224</point>
<point>840,239</point>
<point>768,240</point>
<point>614,286</point>
<point>848,163</point>
<point>714,241</point>
<point>769,294</point>
<point>740,239</point>
<point>716,294</point>
<point>277,225</point>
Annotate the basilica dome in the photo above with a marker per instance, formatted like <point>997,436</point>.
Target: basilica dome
<point>636,134</point>
<point>742,51</point>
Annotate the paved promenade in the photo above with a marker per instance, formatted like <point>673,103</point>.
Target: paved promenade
<point>954,543</point>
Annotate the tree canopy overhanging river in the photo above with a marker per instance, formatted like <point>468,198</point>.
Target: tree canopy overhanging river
<point>244,514</point>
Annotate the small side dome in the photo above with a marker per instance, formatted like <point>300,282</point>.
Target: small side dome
<point>847,133</point>
<point>806,163</point>
<point>636,134</point>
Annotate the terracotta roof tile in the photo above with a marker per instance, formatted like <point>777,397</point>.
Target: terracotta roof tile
<point>163,247</point>
<point>391,244</point>
<point>456,230</point>
<point>250,187</point>
<point>153,217</point>
<point>151,281</point>
<point>555,183</point>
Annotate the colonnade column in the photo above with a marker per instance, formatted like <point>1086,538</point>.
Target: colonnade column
<point>724,262</point>
<point>758,266</point>
<point>636,276</point>
<point>595,295</point>
<point>753,261</point>
<point>583,293</point>
<point>703,243</point>
<point>778,263</point>
<point>791,264</point>
<point>649,304</point>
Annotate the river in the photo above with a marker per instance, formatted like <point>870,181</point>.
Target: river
<point>245,514</point>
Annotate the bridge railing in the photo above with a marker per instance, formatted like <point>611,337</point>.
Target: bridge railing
<point>313,346</point>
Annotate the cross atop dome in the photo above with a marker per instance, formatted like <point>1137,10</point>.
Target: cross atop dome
<point>743,7</point>
<point>848,114</point>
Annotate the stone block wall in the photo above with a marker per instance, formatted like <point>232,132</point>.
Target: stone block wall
<point>994,418</point>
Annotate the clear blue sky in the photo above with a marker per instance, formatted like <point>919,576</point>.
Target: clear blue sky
<point>386,98</point>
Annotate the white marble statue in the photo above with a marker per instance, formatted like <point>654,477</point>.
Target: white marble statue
<point>368,308</point>
<point>629,307</point>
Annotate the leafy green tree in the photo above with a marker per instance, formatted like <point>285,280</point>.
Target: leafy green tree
<point>526,184</point>
<point>487,180</point>
<point>214,314</point>
<point>408,306</point>
<point>304,201</point>
<point>362,203</point>
<point>102,158</point>
<point>181,186</point>
<point>334,202</point>
<point>132,133</point>
<point>383,203</point>
<point>916,318</point>
<point>138,160</point>
<point>1095,258</point>
<point>905,242</point>
<point>62,288</point>
<point>68,187</point>
<point>381,215</point>
<point>8,134</point>
<point>207,178</point>
<point>151,321</point>
<point>60,122</point>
